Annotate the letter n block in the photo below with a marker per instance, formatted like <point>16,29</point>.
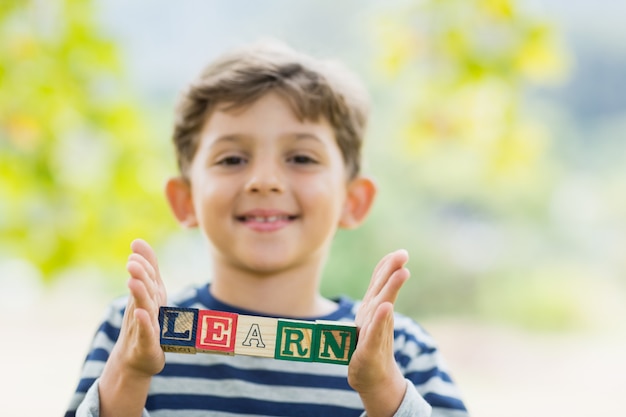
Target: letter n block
<point>216,332</point>
<point>256,336</point>
<point>336,341</point>
<point>178,329</point>
<point>295,340</point>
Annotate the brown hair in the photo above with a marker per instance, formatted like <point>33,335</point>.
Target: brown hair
<point>313,88</point>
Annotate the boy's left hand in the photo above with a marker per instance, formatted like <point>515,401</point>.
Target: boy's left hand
<point>373,371</point>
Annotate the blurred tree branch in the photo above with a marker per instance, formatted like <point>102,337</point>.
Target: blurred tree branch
<point>77,163</point>
<point>462,67</point>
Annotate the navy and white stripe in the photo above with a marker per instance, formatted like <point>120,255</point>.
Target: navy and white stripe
<point>229,386</point>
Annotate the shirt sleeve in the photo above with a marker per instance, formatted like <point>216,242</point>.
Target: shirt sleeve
<point>413,405</point>
<point>421,363</point>
<point>86,396</point>
<point>90,406</point>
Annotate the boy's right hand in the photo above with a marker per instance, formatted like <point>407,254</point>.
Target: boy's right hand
<point>138,347</point>
<point>137,354</point>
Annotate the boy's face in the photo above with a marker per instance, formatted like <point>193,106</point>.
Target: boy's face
<point>267,189</point>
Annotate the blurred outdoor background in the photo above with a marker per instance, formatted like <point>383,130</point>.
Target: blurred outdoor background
<point>498,139</point>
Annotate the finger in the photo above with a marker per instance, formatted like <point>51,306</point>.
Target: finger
<point>392,262</point>
<point>386,289</point>
<point>366,308</point>
<point>146,265</point>
<point>128,312</point>
<point>389,293</point>
<point>142,297</point>
<point>383,272</point>
<point>141,247</point>
<point>377,269</point>
<point>145,326</point>
<point>375,279</point>
<point>147,340</point>
<point>378,335</point>
<point>137,270</point>
<point>382,265</point>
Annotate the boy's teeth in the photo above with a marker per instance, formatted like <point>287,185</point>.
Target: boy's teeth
<point>269,219</point>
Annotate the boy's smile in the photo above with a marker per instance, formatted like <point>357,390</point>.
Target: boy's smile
<point>265,220</point>
<point>267,189</point>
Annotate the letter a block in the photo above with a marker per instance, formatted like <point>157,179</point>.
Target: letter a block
<point>256,336</point>
<point>335,341</point>
<point>178,329</point>
<point>216,332</point>
<point>295,340</point>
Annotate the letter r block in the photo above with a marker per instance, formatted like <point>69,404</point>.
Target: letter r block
<point>336,341</point>
<point>295,340</point>
<point>217,331</point>
<point>178,329</point>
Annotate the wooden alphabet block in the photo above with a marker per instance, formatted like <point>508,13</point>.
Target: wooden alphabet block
<point>189,330</point>
<point>295,340</point>
<point>216,332</point>
<point>335,341</point>
<point>178,329</point>
<point>256,336</point>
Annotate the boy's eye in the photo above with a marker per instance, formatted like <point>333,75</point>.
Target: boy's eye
<point>302,159</point>
<point>231,160</point>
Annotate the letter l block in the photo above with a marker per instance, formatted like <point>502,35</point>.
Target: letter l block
<point>178,329</point>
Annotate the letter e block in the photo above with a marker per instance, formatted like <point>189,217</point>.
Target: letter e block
<point>216,332</point>
<point>178,329</point>
<point>256,336</point>
<point>335,340</point>
<point>295,340</point>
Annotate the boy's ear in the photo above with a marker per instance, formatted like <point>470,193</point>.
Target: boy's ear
<point>178,192</point>
<point>361,193</point>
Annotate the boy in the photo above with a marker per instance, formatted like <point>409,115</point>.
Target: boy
<point>268,144</point>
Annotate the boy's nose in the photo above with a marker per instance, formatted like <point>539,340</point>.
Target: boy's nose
<point>264,178</point>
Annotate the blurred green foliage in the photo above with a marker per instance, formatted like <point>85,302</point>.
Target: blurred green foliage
<point>463,67</point>
<point>77,163</point>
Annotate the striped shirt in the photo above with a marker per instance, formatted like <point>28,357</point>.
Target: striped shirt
<point>229,386</point>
